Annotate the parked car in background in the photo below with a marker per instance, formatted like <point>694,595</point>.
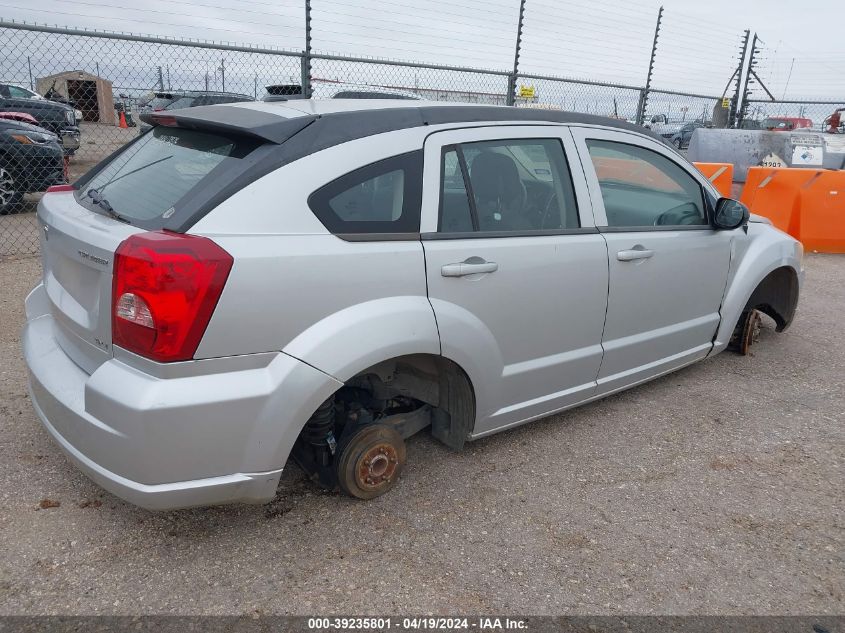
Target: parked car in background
<point>19,92</point>
<point>681,138</point>
<point>662,126</point>
<point>185,99</point>
<point>31,159</point>
<point>351,272</point>
<point>785,123</point>
<point>58,118</point>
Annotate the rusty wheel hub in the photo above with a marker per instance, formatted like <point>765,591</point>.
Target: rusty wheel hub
<point>750,332</point>
<point>377,467</point>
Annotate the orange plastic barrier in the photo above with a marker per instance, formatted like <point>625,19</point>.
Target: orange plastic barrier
<point>823,213</point>
<point>809,204</point>
<point>720,174</point>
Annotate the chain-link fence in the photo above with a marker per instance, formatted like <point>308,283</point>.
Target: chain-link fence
<point>101,88</point>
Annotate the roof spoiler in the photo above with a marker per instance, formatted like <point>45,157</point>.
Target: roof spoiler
<point>266,127</point>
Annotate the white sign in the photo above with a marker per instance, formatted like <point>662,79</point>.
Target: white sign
<point>808,155</point>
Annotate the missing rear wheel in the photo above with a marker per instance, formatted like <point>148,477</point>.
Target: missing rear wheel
<point>371,461</point>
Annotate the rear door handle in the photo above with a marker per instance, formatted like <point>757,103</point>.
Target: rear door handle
<point>470,266</point>
<point>634,254</point>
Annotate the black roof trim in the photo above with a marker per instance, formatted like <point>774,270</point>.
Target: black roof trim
<point>296,137</point>
<point>339,127</point>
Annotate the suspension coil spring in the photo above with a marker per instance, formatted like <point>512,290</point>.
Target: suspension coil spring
<point>320,425</point>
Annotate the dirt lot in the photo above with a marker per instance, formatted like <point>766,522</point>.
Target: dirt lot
<point>716,490</point>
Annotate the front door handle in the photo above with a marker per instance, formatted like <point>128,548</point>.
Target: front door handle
<point>470,266</point>
<point>634,254</point>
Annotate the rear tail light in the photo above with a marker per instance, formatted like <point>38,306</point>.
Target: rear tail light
<point>59,189</point>
<point>165,288</point>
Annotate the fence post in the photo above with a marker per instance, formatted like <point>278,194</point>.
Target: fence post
<point>513,75</point>
<point>743,110</point>
<point>305,62</point>
<point>644,93</point>
<point>735,100</point>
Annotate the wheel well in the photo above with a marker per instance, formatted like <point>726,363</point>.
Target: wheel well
<point>776,296</point>
<point>433,380</point>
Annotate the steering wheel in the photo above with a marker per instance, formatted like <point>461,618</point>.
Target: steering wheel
<point>683,215</point>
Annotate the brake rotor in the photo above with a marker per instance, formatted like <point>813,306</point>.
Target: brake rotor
<point>371,461</point>
<point>748,332</point>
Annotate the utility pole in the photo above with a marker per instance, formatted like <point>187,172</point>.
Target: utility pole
<point>29,65</point>
<point>223,73</point>
<point>206,81</point>
<point>644,95</point>
<point>305,80</point>
<point>160,79</point>
<point>734,111</point>
<point>512,78</point>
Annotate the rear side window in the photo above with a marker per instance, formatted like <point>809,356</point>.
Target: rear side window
<point>143,183</point>
<point>383,197</point>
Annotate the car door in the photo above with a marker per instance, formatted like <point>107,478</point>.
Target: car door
<point>668,267</point>
<point>516,270</point>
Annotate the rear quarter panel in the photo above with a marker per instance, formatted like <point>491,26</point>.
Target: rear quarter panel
<point>338,305</point>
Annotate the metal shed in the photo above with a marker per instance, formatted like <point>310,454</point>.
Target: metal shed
<point>90,93</point>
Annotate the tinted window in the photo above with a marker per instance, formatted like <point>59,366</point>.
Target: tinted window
<point>383,197</point>
<point>641,187</point>
<point>514,185</point>
<point>155,172</point>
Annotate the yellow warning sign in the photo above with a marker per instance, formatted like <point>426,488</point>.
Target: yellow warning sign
<point>726,103</point>
<point>527,92</point>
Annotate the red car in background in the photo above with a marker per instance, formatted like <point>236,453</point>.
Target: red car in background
<point>785,123</point>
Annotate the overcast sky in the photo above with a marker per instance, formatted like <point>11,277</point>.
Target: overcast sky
<point>605,40</point>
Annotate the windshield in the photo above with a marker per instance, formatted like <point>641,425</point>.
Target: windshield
<point>159,103</point>
<point>181,102</point>
<point>145,181</point>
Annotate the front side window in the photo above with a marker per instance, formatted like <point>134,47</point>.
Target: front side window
<point>384,197</point>
<point>642,188</point>
<point>507,185</point>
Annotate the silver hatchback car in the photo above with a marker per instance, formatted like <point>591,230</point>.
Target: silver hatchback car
<point>251,282</point>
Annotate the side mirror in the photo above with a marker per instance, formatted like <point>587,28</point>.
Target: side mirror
<point>730,214</point>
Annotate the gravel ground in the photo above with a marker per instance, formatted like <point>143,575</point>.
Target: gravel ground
<point>718,490</point>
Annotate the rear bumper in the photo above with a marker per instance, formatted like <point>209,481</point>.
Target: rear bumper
<point>190,439</point>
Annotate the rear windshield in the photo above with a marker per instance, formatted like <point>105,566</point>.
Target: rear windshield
<point>145,182</point>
